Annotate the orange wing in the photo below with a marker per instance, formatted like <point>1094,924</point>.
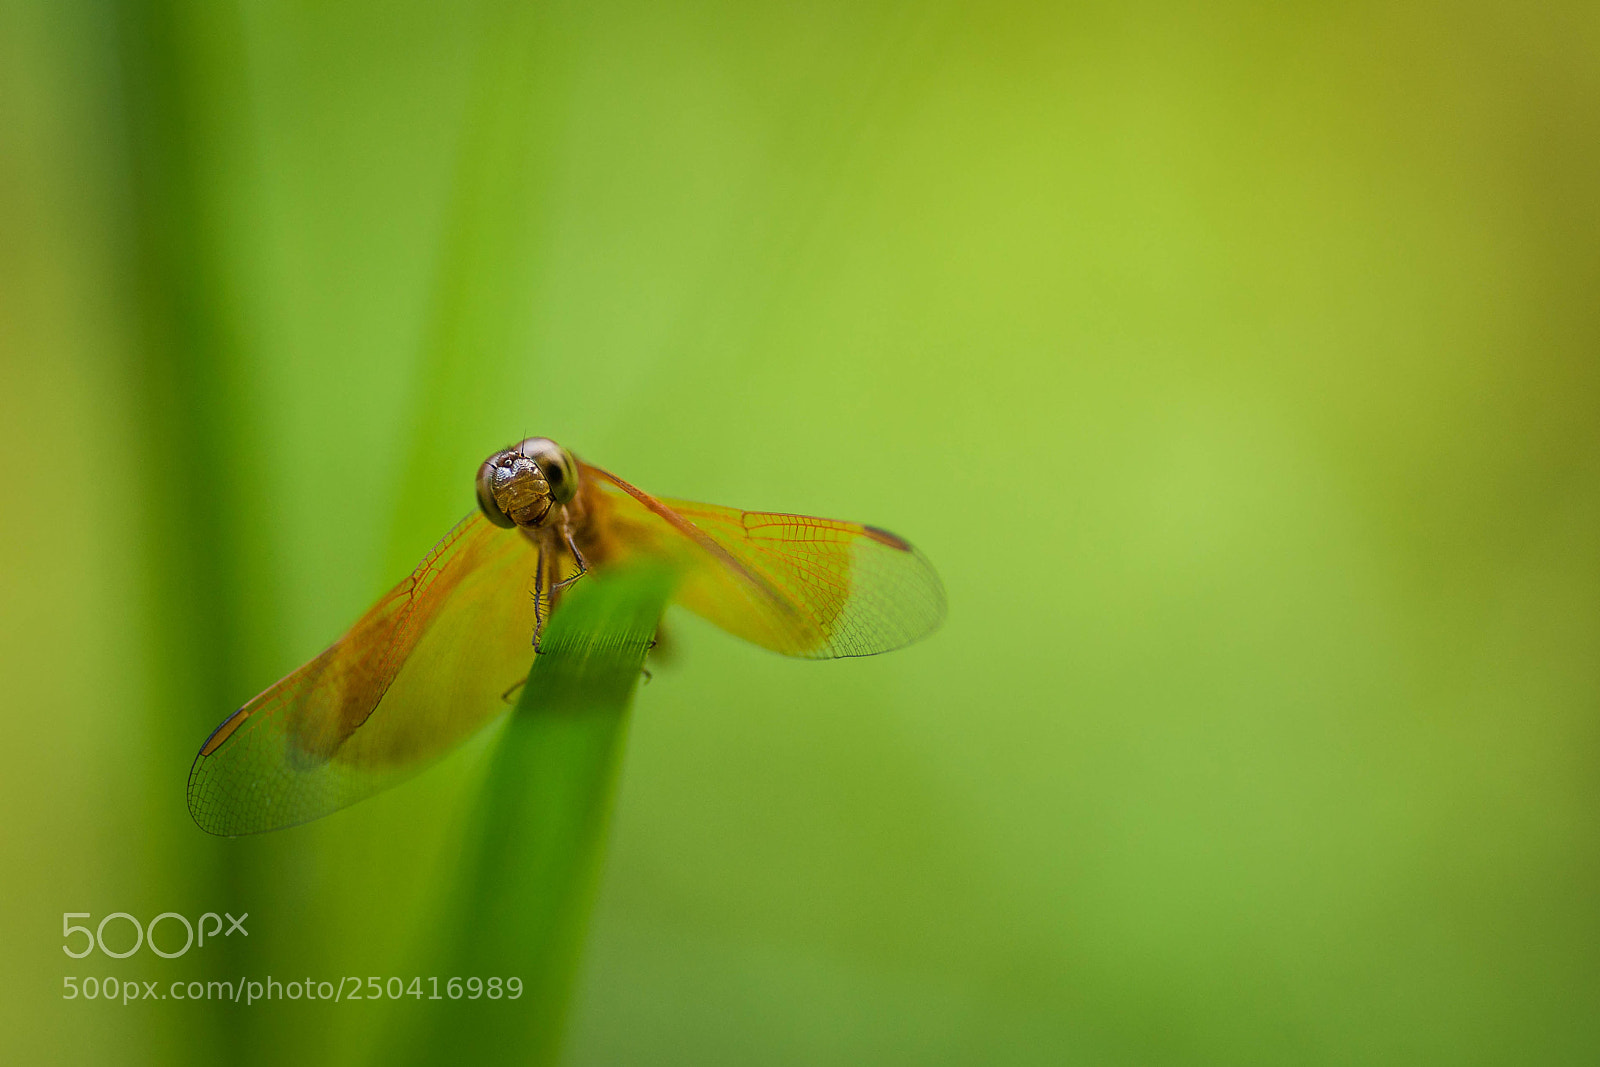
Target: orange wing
<point>802,586</point>
<point>419,672</point>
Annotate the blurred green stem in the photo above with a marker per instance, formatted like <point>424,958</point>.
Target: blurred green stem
<point>539,830</point>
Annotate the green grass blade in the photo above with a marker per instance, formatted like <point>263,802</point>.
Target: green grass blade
<point>538,834</point>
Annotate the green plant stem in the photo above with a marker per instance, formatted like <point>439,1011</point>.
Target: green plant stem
<point>539,831</point>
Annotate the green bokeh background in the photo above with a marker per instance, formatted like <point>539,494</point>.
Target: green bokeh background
<point>1236,364</point>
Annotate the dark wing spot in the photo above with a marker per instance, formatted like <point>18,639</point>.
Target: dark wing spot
<point>884,537</point>
<point>224,731</point>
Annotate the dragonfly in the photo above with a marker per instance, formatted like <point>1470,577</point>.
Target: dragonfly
<point>435,659</point>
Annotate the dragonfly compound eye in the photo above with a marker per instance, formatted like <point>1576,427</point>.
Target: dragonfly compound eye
<point>486,501</point>
<point>556,464</point>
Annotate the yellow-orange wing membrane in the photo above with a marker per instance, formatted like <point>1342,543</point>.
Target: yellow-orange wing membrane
<point>421,671</point>
<point>802,586</point>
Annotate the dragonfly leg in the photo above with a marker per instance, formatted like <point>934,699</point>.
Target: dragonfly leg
<point>663,649</point>
<point>541,605</point>
<point>572,546</point>
<point>506,696</point>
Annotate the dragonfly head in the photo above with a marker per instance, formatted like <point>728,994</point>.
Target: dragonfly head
<point>527,485</point>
